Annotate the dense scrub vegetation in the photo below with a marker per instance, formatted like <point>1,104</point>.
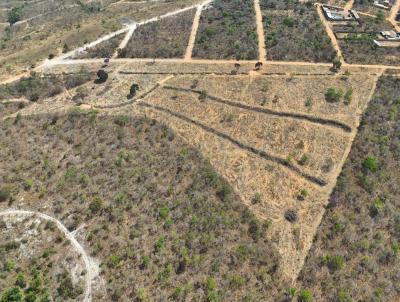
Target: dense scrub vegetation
<point>166,38</point>
<point>37,87</point>
<point>36,262</point>
<point>356,254</point>
<point>295,35</point>
<point>227,31</point>
<point>162,222</point>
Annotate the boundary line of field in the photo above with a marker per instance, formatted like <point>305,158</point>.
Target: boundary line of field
<point>261,153</point>
<point>298,116</point>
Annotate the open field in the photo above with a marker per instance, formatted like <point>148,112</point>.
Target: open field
<point>355,254</point>
<point>227,31</point>
<point>278,157</point>
<point>166,38</point>
<point>293,32</point>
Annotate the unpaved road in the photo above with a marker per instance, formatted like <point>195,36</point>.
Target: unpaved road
<point>349,5</point>
<point>330,33</point>
<point>393,14</point>
<point>262,51</point>
<point>195,27</point>
<point>88,263</point>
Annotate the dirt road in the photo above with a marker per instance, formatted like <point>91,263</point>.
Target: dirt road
<point>260,32</point>
<point>87,261</point>
<point>330,33</point>
<point>393,13</point>
<point>195,27</point>
<point>349,5</point>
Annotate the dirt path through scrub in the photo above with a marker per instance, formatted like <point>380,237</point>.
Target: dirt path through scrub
<point>195,27</point>
<point>330,33</point>
<point>349,5</point>
<point>262,51</point>
<point>81,251</point>
<point>393,13</point>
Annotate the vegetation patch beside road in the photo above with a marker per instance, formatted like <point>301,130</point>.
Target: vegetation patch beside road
<point>227,31</point>
<point>166,38</point>
<point>356,254</point>
<point>295,33</point>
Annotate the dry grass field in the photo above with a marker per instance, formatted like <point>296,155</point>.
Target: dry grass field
<point>275,163</point>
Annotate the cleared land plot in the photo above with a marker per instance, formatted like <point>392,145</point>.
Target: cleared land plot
<point>227,30</point>
<point>259,153</point>
<point>358,46</point>
<point>355,256</point>
<point>296,35</point>
<point>147,206</point>
<point>115,92</point>
<point>38,262</point>
<point>294,94</point>
<point>103,50</point>
<point>167,38</point>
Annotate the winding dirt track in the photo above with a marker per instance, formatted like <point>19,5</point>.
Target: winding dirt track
<point>81,251</point>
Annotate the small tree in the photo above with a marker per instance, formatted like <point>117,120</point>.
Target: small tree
<point>102,75</point>
<point>65,48</point>
<point>336,64</point>
<point>333,96</point>
<point>380,17</point>
<point>14,15</point>
<point>133,89</point>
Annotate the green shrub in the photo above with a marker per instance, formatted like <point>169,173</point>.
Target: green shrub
<point>308,103</point>
<point>96,205</point>
<point>164,211</point>
<point>121,120</point>
<point>288,21</point>
<point>9,265</point>
<point>371,164</point>
<point>14,15</point>
<point>304,159</point>
<point>333,95</point>
<point>257,198</point>
<point>378,204</point>
<point>28,183</point>
<point>13,294</point>
<point>305,296</point>
<point>348,96</point>
<point>344,296</point>
<point>160,243</point>
<point>334,262</point>
<point>5,193</point>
